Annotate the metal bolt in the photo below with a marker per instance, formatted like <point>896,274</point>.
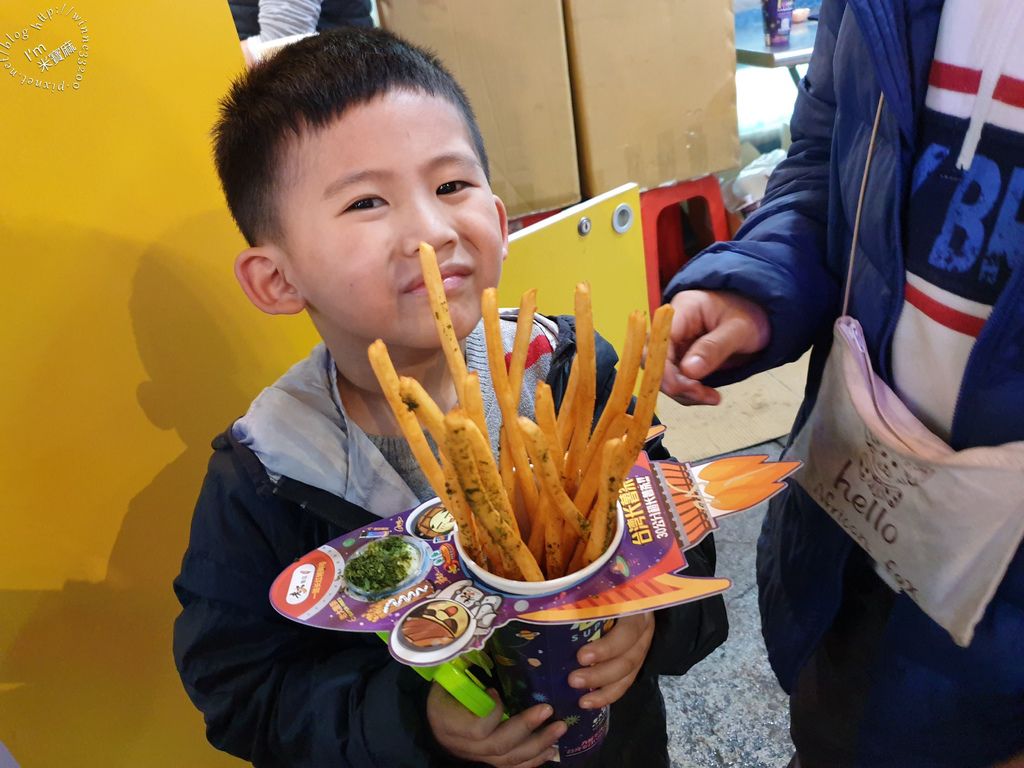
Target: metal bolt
<point>584,226</point>
<point>622,218</point>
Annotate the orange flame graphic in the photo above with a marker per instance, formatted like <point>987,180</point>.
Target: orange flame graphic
<point>740,482</point>
<point>723,469</point>
<point>645,594</point>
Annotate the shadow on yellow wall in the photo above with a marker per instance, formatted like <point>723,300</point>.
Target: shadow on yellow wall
<point>126,346</point>
<point>92,679</point>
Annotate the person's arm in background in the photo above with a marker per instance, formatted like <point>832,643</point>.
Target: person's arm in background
<point>281,20</point>
<point>757,302</point>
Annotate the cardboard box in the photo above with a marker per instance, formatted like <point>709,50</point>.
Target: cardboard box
<point>511,60</point>
<point>654,90</point>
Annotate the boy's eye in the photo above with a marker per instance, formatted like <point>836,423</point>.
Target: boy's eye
<point>450,187</point>
<point>366,204</point>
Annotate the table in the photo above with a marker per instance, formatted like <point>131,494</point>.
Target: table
<point>750,47</point>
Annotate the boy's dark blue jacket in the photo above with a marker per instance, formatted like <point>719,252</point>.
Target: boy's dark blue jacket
<point>931,703</point>
<point>279,693</point>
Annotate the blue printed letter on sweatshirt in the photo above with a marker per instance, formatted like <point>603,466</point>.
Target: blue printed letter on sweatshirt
<point>963,235</point>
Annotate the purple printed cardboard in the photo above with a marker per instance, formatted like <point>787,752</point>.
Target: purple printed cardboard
<point>440,610</point>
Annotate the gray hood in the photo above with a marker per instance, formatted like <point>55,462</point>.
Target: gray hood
<point>298,428</point>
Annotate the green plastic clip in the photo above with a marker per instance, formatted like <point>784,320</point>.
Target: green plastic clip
<point>454,676</point>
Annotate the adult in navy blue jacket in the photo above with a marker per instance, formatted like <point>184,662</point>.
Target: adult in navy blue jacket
<point>877,683</point>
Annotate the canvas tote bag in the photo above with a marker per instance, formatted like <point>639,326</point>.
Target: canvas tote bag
<point>941,525</point>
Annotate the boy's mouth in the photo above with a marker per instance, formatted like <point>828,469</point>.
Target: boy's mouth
<point>453,276</point>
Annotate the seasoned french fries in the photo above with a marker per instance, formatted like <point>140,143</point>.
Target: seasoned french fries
<point>545,505</point>
<point>389,384</point>
<point>479,491</point>
<point>565,413</point>
<point>622,390</point>
<point>524,324</point>
<point>421,407</point>
<point>647,399</point>
<point>583,404</point>
<point>503,391</point>
<point>472,400</point>
<point>544,466</point>
<point>442,317</point>
<point>544,410</point>
<point>505,465</point>
<point>612,474</point>
<point>539,533</point>
<point>554,554</point>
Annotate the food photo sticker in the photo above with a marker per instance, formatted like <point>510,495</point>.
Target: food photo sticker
<point>431,521</point>
<point>445,625</point>
<point>306,587</point>
<point>386,565</point>
<point>435,624</point>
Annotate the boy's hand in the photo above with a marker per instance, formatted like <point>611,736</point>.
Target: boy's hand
<point>710,330</point>
<point>612,663</point>
<point>515,743</point>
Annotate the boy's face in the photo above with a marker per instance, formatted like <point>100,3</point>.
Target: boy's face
<point>358,197</point>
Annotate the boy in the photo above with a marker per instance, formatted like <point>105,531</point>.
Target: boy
<point>338,156</point>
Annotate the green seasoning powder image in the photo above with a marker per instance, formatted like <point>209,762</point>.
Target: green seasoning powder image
<point>383,565</point>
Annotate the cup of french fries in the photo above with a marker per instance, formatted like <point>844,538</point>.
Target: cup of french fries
<point>532,662</point>
<point>540,512</point>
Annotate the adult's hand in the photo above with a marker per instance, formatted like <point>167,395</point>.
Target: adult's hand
<point>711,330</point>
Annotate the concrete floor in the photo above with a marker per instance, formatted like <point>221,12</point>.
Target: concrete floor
<point>729,710</point>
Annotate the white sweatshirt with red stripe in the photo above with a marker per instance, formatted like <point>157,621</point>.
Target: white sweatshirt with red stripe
<point>965,221</point>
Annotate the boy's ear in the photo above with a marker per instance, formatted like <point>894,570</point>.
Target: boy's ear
<point>503,218</point>
<point>260,273</point>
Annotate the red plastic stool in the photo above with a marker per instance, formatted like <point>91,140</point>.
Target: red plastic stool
<point>663,228</point>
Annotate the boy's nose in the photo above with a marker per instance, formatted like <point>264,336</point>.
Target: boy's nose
<point>429,224</point>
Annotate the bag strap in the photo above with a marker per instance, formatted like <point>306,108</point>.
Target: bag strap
<point>860,203</point>
<point>895,433</point>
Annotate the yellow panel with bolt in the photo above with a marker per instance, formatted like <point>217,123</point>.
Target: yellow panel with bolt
<point>600,241</point>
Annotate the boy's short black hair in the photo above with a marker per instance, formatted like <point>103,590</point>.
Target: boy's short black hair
<point>305,87</point>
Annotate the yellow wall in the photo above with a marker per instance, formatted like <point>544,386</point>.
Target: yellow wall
<point>126,345</point>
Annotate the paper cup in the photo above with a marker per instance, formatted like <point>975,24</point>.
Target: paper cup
<point>778,20</point>
<point>541,588</point>
<point>532,662</point>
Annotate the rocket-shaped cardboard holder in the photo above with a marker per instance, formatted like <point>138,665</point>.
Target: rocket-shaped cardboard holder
<point>442,613</point>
